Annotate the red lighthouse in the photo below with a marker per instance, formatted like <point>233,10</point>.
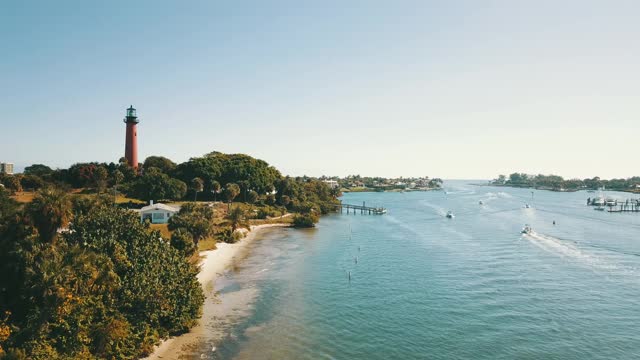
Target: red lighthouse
<point>131,144</point>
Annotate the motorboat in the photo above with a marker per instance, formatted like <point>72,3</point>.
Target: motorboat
<point>611,202</point>
<point>599,201</point>
<point>527,229</point>
<point>450,215</point>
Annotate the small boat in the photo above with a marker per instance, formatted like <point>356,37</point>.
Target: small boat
<point>527,229</point>
<point>611,202</point>
<point>599,201</point>
<point>480,202</point>
<point>450,215</point>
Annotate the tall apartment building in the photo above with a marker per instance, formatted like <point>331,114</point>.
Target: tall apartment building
<point>6,168</point>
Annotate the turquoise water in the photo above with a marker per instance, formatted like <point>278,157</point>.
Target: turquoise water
<point>428,287</point>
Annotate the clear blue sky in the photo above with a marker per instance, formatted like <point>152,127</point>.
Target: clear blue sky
<point>455,89</point>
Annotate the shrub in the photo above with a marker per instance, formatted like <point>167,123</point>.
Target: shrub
<point>305,220</point>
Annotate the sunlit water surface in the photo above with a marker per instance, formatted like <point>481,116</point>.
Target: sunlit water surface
<point>428,287</point>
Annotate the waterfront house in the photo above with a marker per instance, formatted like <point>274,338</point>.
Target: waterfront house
<point>157,213</point>
<point>332,183</point>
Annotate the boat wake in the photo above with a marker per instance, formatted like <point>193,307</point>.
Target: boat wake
<point>569,250</point>
<point>438,209</point>
<point>498,195</point>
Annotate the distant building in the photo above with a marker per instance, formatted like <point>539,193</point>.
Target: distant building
<point>6,168</point>
<point>157,213</point>
<point>332,183</point>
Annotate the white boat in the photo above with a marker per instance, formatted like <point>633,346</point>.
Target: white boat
<point>527,229</point>
<point>599,201</point>
<point>450,215</point>
<point>611,202</point>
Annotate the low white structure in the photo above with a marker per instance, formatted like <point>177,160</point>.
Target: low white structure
<point>332,183</point>
<point>158,213</point>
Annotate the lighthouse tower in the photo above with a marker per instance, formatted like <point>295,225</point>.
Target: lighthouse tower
<point>131,144</point>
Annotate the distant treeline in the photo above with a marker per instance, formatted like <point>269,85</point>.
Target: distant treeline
<point>383,184</point>
<point>555,182</point>
<point>214,176</point>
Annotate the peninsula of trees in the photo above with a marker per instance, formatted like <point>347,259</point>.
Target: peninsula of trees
<point>83,277</point>
<point>557,183</point>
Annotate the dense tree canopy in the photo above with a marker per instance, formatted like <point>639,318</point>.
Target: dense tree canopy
<point>38,170</point>
<point>155,185</point>
<point>160,162</point>
<point>107,289</point>
<point>229,168</point>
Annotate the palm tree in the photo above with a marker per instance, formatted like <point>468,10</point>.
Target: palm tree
<point>215,188</point>
<point>50,211</point>
<point>236,218</point>
<point>197,184</point>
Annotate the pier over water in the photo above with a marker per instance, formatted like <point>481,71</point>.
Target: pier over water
<point>362,208</point>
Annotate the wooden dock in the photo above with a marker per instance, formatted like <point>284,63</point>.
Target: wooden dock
<point>630,205</point>
<point>362,208</point>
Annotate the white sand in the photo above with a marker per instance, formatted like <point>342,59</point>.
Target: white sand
<point>214,264</point>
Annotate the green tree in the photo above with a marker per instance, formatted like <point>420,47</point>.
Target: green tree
<point>117,177</point>
<point>231,191</point>
<point>160,162</point>
<point>155,185</point>
<point>182,240</point>
<point>305,220</point>
<point>197,185</point>
<point>237,218</point>
<point>31,182</point>
<point>214,187</point>
<point>252,197</point>
<point>12,183</point>
<point>197,219</point>
<point>100,177</point>
<point>38,170</point>
<point>50,211</point>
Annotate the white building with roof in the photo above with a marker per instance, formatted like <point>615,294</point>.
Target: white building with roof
<point>332,183</point>
<point>158,213</point>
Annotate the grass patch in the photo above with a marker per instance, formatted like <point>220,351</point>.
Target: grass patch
<point>121,199</point>
<point>163,228</point>
<point>23,196</point>
<point>207,244</point>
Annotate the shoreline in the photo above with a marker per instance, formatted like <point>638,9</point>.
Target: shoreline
<point>213,265</point>
<point>543,188</point>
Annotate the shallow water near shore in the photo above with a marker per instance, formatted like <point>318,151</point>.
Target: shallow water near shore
<point>425,286</point>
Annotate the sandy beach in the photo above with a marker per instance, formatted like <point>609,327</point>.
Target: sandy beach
<point>214,264</point>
